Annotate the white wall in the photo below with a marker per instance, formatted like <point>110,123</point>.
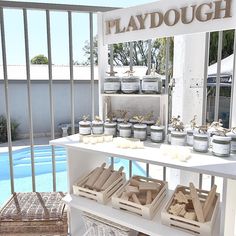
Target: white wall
<point>41,104</point>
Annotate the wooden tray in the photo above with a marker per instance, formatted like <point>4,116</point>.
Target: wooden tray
<point>101,197</point>
<point>146,211</point>
<point>192,226</point>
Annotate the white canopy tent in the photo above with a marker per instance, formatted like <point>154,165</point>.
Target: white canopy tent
<point>226,66</point>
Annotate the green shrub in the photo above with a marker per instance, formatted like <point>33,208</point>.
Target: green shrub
<point>3,129</point>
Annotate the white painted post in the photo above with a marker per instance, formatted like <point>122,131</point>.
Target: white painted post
<point>187,100</point>
<point>230,211</point>
<point>102,62</point>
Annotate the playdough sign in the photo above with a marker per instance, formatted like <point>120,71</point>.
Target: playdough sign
<point>168,18</point>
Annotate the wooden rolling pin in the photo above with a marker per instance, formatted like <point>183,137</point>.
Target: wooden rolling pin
<point>114,176</point>
<point>196,203</point>
<point>92,179</point>
<point>209,201</point>
<point>102,178</point>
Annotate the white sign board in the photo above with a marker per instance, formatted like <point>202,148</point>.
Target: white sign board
<point>167,18</point>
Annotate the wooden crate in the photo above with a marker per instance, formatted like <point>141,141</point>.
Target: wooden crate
<point>101,197</point>
<point>146,211</point>
<point>192,226</point>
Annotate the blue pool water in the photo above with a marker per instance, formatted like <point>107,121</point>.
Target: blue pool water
<point>43,170</point>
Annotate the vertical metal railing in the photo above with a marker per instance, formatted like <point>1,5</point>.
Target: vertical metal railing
<point>51,97</point>
<point>72,96</point>
<point>92,63</point>
<point>47,8</point>
<point>219,57</point>
<point>27,60</point>
<point>206,64</point>
<point>5,75</point>
<point>149,56</point>
<point>233,81</point>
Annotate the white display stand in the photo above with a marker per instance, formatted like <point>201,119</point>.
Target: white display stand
<point>82,158</point>
<point>136,24</point>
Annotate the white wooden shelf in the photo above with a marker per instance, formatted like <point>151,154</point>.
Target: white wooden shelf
<point>141,95</point>
<point>151,227</point>
<point>199,163</point>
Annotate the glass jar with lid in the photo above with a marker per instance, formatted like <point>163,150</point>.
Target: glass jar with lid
<point>221,146</point>
<point>151,83</point>
<point>130,84</point>
<point>111,83</point>
<point>200,142</point>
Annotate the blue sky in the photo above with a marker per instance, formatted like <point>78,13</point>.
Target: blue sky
<point>59,31</point>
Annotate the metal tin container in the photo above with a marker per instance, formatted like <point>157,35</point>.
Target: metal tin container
<point>125,130</point>
<point>157,133</point>
<point>170,129</point>
<point>140,131</point>
<point>200,142</point>
<point>97,127</point>
<point>149,123</point>
<point>178,138</point>
<point>130,84</point>
<point>110,128</point>
<point>190,137</point>
<point>84,127</point>
<point>221,146</point>
<point>112,84</point>
<point>151,84</point>
<point>233,141</point>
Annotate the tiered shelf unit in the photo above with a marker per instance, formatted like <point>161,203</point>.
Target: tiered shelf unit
<point>82,158</point>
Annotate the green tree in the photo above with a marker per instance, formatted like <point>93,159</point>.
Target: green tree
<point>39,59</point>
<point>227,47</point>
<point>121,53</point>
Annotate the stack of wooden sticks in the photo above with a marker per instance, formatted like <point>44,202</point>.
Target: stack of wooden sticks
<point>190,206</point>
<point>101,178</point>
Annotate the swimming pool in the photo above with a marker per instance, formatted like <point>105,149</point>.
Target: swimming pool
<point>43,170</point>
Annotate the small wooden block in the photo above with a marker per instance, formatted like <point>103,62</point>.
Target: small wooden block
<point>196,203</point>
<point>125,196</point>
<point>134,182</point>
<point>176,209</point>
<point>142,198</point>
<point>149,197</point>
<point>180,197</point>
<point>145,186</point>
<point>182,212</point>
<point>132,189</point>
<point>135,199</point>
<point>190,215</point>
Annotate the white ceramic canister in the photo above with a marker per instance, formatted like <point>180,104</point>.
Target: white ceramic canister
<point>112,84</point>
<point>221,146</point>
<point>233,141</point>
<point>178,138</point>
<point>149,123</point>
<point>140,131</point>
<point>170,129</point>
<point>157,133</point>
<point>97,127</point>
<point>133,122</point>
<point>200,142</point>
<point>130,84</point>
<point>125,130</point>
<point>119,121</point>
<point>85,127</point>
<point>110,128</point>
<point>189,139</point>
<point>151,84</point>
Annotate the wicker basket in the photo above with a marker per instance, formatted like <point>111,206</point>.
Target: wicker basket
<point>34,214</point>
<point>96,226</point>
